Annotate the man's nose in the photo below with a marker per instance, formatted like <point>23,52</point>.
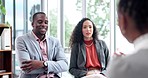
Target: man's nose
<point>44,24</point>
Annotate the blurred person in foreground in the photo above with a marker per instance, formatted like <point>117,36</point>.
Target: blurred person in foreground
<point>39,55</point>
<point>133,23</point>
<point>89,55</point>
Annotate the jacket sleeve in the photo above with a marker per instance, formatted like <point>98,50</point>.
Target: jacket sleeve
<point>107,56</point>
<point>73,68</point>
<point>23,54</point>
<point>59,61</point>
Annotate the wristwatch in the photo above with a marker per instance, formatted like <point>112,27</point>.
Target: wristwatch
<point>45,63</point>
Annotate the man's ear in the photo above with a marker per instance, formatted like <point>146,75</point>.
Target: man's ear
<point>32,24</point>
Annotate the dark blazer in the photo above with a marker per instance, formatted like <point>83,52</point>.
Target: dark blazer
<point>78,58</point>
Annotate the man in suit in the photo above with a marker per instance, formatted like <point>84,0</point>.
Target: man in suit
<point>39,54</point>
<point>133,23</point>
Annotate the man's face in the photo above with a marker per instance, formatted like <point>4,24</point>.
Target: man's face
<point>40,24</point>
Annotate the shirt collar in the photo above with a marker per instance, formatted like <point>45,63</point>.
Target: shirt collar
<point>141,42</point>
<point>37,37</point>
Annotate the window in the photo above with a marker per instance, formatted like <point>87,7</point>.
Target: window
<point>32,7</point>
<point>52,17</point>
<point>71,17</point>
<point>99,12</point>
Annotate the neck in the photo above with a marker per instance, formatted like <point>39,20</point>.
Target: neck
<point>133,35</point>
<point>87,39</point>
<point>41,37</point>
<point>88,44</point>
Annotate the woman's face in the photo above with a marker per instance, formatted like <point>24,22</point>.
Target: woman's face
<point>87,30</point>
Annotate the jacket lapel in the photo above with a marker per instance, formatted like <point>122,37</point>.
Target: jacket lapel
<point>83,50</point>
<point>49,48</point>
<point>36,44</point>
<point>100,53</point>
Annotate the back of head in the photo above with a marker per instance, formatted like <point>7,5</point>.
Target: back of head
<point>138,11</point>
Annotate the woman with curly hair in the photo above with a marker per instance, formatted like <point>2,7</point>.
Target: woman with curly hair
<point>89,54</point>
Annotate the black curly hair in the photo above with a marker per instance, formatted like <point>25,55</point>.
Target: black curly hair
<point>138,11</point>
<point>77,35</point>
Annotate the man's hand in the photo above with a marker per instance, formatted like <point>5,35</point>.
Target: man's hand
<point>31,65</point>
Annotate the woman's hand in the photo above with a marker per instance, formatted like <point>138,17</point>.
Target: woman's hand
<point>119,54</point>
<point>93,72</point>
<point>95,76</point>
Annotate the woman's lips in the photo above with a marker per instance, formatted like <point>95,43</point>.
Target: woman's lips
<point>87,33</point>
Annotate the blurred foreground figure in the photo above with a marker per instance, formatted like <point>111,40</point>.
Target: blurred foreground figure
<point>133,23</point>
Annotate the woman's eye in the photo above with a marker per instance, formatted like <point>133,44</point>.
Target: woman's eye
<point>84,27</point>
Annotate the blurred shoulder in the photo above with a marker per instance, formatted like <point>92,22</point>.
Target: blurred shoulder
<point>23,37</point>
<point>129,66</point>
<point>52,38</point>
<point>100,41</point>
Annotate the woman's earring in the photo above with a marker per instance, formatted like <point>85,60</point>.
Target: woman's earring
<point>123,31</point>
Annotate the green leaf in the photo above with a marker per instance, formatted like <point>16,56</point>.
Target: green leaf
<point>8,24</point>
<point>3,10</point>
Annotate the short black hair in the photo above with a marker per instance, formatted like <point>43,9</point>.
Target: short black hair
<point>137,10</point>
<point>35,14</point>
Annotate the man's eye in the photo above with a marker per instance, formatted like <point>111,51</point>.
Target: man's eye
<point>40,22</point>
<point>46,22</point>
